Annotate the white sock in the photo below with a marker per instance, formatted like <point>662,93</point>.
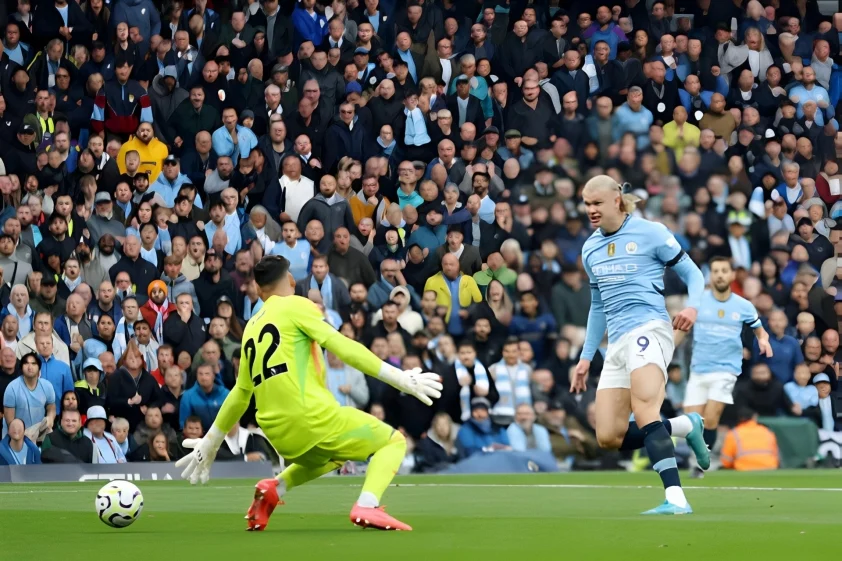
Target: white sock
<point>675,496</point>
<point>681,426</point>
<point>367,500</point>
<point>282,487</point>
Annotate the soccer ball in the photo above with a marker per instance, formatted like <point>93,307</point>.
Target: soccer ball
<point>118,503</point>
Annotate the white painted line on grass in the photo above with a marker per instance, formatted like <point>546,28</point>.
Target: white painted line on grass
<point>576,486</point>
<point>470,485</point>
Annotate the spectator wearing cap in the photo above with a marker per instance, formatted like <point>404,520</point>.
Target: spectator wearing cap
<point>365,69</point>
<point>90,390</point>
<point>29,397</point>
<point>121,105</point>
<point>469,259</point>
<point>47,300</point>
<point>514,149</point>
<point>464,107</point>
<point>151,151</point>
<point>213,282</point>
<point>479,434</point>
<point>106,449</point>
<point>170,181</point>
<point>166,96</point>
<point>21,159</point>
<point>103,220</point>
<point>16,449</point>
<point>158,308</point>
<point>824,414</point>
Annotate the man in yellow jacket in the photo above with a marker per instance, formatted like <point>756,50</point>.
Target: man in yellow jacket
<point>454,291</point>
<point>679,134</point>
<point>750,446</point>
<point>151,151</point>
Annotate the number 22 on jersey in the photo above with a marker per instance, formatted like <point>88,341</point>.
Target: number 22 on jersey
<point>261,373</point>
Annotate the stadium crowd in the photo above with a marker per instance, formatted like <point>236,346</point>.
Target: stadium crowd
<point>419,163</point>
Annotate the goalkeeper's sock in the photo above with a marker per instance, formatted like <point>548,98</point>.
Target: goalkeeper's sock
<point>382,469</point>
<point>295,475</point>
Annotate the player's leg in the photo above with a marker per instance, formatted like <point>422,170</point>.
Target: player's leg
<point>268,493</point>
<point>647,395</point>
<point>613,401</point>
<point>720,395</point>
<point>362,437</point>
<point>648,357</point>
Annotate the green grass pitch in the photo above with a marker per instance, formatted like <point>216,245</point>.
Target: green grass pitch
<point>770,516</point>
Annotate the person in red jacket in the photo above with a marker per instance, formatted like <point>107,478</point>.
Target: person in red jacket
<point>157,309</point>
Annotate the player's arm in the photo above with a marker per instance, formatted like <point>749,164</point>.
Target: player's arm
<point>753,321</point>
<point>309,319</point>
<point>671,254</point>
<point>237,401</point>
<point>597,324</point>
<point>197,463</point>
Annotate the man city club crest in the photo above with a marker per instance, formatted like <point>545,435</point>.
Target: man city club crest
<point>721,313</point>
<point>631,247</point>
<point>611,250</point>
<point>131,98</point>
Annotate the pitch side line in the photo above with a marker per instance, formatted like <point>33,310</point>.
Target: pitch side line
<point>479,485</point>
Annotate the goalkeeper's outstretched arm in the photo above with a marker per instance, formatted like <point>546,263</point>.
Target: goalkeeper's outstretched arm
<point>355,355</point>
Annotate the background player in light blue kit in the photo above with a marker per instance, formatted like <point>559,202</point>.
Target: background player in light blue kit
<point>718,348</point>
<point>625,260</point>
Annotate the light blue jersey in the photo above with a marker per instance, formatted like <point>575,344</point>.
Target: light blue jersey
<point>626,271</point>
<point>717,346</point>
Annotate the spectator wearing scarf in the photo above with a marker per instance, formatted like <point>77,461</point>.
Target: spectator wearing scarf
<point>416,138</point>
<point>512,378</point>
<point>157,309</point>
<point>468,382</point>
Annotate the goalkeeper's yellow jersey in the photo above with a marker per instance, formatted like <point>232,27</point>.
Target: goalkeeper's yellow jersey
<point>282,364</point>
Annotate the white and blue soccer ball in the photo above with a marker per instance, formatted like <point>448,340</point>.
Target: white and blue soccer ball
<point>119,503</point>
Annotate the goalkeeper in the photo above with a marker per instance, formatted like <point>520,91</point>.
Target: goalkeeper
<point>282,365</point>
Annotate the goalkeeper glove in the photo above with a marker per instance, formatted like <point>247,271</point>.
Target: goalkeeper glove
<point>421,385</point>
<point>197,463</point>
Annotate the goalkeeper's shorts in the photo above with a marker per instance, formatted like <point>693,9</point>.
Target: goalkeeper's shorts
<point>356,437</point>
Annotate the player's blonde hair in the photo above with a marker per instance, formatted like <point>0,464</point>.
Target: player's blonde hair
<point>607,184</point>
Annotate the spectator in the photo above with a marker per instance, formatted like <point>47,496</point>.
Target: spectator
<point>764,394</point>
<point>455,292</point>
<point>524,434</point>
<point>31,399</point>
<point>16,449</point>
<point>106,450</point>
<point>204,399</point>
<point>152,424</point>
<point>787,353</point>
<point>438,449</point>
<point>131,389</point>
<point>347,384</point>
<point>479,434</point>
<point>69,437</point>
<point>512,379</point>
<point>750,446</point>
<point>90,390</point>
<point>184,330</point>
<point>53,370</point>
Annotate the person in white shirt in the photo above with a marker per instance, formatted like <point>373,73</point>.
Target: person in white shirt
<point>296,190</point>
<point>106,448</point>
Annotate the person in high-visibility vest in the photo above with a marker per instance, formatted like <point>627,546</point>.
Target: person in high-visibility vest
<point>750,446</point>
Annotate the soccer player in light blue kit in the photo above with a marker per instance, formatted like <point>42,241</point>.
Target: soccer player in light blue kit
<point>625,260</point>
<point>717,347</point>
